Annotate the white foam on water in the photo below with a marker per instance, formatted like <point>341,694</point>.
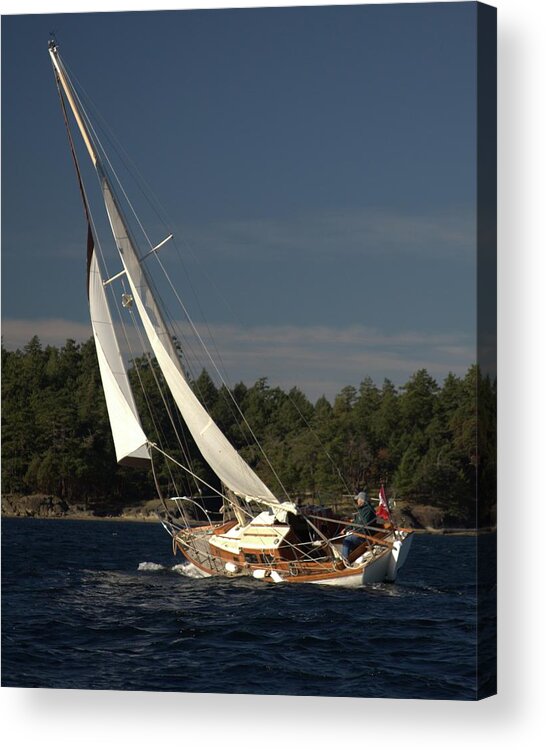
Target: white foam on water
<point>189,570</point>
<point>150,566</point>
<point>184,569</point>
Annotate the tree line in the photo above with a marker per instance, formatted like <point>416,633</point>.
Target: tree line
<point>431,443</point>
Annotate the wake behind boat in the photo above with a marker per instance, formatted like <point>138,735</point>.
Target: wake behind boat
<point>263,534</point>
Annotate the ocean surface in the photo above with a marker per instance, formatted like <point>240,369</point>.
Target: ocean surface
<point>105,605</point>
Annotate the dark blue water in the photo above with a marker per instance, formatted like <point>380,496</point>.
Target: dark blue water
<point>78,613</point>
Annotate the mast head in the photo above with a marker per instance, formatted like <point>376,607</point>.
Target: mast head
<point>52,45</point>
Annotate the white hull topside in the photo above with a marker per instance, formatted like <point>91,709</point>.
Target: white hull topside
<point>383,569</point>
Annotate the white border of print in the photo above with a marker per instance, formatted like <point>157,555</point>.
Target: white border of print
<point>65,718</point>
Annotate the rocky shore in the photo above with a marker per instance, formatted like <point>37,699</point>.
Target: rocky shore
<point>49,506</point>
<point>421,518</point>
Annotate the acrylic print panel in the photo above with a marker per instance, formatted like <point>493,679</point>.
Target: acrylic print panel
<point>304,307</point>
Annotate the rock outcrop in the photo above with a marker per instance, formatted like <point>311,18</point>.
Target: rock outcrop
<point>34,506</point>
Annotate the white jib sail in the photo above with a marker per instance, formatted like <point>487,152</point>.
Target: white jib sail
<point>217,451</point>
<point>129,439</point>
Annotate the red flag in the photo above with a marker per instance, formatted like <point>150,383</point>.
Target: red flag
<point>383,510</point>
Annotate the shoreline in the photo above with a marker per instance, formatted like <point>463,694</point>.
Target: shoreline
<point>83,517</point>
<point>150,519</point>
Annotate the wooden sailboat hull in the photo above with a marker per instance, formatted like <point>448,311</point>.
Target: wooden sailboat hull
<point>377,569</point>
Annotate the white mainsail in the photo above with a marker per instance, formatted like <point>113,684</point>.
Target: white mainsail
<point>221,456</point>
<point>130,441</point>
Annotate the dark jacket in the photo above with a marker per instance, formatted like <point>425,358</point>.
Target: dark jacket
<point>365,516</point>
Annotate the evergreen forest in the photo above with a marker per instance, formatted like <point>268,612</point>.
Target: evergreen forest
<point>433,444</point>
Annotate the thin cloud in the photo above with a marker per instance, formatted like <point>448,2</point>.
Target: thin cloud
<point>53,331</point>
<point>318,359</point>
<point>360,233</point>
<point>370,231</point>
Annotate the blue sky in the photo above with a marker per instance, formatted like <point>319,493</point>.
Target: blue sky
<point>317,166</point>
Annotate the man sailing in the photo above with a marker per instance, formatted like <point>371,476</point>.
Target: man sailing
<point>364,516</point>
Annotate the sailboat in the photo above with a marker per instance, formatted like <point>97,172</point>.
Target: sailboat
<point>260,534</point>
